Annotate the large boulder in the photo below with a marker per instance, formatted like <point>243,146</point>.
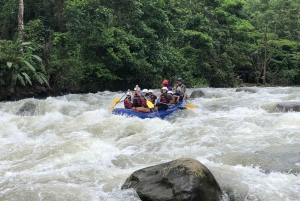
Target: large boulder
<point>28,109</point>
<point>288,107</point>
<point>246,89</point>
<point>184,179</point>
<point>197,94</point>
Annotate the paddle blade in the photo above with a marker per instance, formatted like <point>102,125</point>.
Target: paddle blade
<point>112,107</point>
<point>190,106</point>
<point>150,104</point>
<point>116,100</point>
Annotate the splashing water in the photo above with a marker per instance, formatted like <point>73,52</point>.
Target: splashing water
<point>72,147</point>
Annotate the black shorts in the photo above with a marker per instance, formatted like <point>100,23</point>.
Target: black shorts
<point>162,107</point>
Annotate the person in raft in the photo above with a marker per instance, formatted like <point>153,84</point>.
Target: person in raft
<point>165,83</point>
<point>146,94</point>
<point>127,100</point>
<point>162,104</point>
<point>140,101</point>
<point>153,97</point>
<point>180,89</point>
<point>137,100</point>
<point>165,99</point>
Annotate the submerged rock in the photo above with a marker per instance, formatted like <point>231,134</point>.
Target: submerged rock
<point>288,107</point>
<point>197,94</point>
<point>246,89</point>
<point>179,180</point>
<point>28,109</point>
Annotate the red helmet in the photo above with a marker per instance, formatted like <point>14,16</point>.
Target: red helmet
<point>165,82</point>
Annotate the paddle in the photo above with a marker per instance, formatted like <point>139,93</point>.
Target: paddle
<point>116,101</point>
<point>149,103</point>
<point>188,105</point>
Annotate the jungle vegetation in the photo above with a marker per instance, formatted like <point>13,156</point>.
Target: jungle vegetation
<point>115,44</point>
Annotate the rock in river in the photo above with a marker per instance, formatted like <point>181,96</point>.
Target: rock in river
<point>184,179</point>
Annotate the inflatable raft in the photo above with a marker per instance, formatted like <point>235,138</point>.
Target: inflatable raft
<point>143,115</point>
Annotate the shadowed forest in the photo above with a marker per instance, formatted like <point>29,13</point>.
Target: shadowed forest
<point>80,45</point>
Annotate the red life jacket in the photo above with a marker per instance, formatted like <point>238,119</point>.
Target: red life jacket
<point>137,101</point>
<point>144,102</point>
<point>127,103</point>
<point>164,98</point>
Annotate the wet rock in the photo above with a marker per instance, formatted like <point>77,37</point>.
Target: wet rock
<point>179,180</point>
<point>40,89</point>
<point>246,89</point>
<point>197,94</point>
<point>288,107</point>
<point>28,109</point>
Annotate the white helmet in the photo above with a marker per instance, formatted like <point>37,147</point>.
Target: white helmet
<point>145,90</point>
<point>164,88</point>
<point>170,92</point>
<point>150,91</point>
<point>128,93</point>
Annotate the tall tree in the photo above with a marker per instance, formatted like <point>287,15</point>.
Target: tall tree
<point>273,40</point>
<point>21,24</point>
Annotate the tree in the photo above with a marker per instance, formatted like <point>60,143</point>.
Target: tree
<point>273,38</point>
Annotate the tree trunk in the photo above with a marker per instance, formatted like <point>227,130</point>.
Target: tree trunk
<point>265,59</point>
<point>21,23</point>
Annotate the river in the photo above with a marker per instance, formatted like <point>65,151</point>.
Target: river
<point>73,148</point>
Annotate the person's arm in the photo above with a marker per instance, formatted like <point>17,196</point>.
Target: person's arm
<point>137,90</point>
<point>184,92</point>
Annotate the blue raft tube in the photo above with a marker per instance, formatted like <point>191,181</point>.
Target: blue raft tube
<point>144,115</point>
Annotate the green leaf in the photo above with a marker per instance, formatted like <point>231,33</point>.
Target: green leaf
<point>29,65</point>
<point>39,79</point>
<point>37,58</point>
<point>26,43</point>
<point>42,76</point>
<point>27,78</point>
<point>21,79</point>
<point>9,64</point>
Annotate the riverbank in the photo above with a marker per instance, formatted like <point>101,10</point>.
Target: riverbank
<point>8,93</point>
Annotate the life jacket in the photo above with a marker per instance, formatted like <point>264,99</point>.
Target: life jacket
<point>137,101</point>
<point>164,98</point>
<point>178,88</point>
<point>179,92</point>
<point>127,103</point>
<point>144,102</point>
<point>153,98</point>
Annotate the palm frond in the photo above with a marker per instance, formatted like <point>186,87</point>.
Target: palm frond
<point>27,78</point>
<point>43,77</point>
<point>19,77</point>
<point>29,65</point>
<point>37,58</point>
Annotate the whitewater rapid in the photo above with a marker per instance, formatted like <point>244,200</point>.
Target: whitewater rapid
<point>72,148</point>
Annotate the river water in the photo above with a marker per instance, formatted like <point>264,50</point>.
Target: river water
<point>73,148</point>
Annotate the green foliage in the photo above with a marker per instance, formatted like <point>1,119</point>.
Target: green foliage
<point>274,40</point>
<point>16,66</point>
<point>117,44</point>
